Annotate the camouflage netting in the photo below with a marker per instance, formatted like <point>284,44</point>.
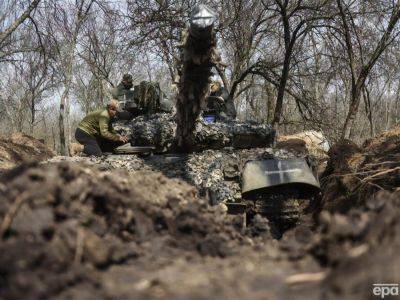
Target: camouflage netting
<point>216,173</point>
<point>156,130</point>
<point>159,130</point>
<point>197,58</point>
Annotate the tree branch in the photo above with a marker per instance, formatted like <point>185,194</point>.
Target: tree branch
<point>5,34</point>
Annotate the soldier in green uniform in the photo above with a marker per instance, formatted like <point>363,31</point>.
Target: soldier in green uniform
<point>145,99</point>
<point>124,94</point>
<point>95,132</point>
<point>123,91</point>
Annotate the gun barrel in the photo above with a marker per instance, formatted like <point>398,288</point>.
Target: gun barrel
<point>202,21</point>
<point>195,71</point>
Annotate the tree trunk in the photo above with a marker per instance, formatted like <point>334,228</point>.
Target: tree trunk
<point>366,68</point>
<point>33,115</point>
<point>54,138</point>
<point>61,119</point>
<point>368,111</point>
<point>281,89</point>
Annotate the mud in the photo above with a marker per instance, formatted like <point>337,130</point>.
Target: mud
<point>19,148</point>
<point>353,174</point>
<point>96,231</point>
<point>62,223</point>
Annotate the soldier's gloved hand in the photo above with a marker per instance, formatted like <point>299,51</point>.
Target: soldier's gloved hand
<point>124,139</point>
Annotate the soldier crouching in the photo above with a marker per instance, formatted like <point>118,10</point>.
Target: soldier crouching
<point>95,131</point>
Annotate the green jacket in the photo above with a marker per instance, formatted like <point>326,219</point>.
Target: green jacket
<point>97,123</point>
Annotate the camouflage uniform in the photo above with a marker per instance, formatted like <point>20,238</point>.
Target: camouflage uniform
<point>151,99</point>
<point>146,98</point>
<point>124,94</point>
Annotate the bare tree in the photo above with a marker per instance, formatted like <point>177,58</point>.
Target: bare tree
<point>6,33</point>
<point>66,53</point>
<point>360,69</point>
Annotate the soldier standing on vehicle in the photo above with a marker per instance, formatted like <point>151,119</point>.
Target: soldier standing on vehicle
<point>123,91</point>
<point>95,131</point>
<point>220,103</point>
<point>124,94</point>
<point>144,99</point>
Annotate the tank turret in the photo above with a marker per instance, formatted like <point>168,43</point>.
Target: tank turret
<point>228,160</point>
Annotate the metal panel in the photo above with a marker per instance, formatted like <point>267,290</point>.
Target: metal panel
<point>259,174</point>
<point>128,149</point>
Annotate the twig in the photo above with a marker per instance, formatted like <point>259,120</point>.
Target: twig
<point>367,180</point>
<point>380,173</point>
<point>80,237</point>
<point>377,186</point>
<point>9,217</point>
<point>382,163</point>
<point>346,174</point>
<point>306,277</point>
<point>360,173</point>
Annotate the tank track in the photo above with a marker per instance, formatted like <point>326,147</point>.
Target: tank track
<point>284,208</point>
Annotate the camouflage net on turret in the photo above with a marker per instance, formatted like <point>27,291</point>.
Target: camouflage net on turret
<point>159,130</point>
<point>198,48</point>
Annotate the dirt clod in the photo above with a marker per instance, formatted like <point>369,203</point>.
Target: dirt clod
<point>74,231</point>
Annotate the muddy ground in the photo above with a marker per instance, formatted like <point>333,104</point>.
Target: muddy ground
<point>19,148</point>
<point>77,231</point>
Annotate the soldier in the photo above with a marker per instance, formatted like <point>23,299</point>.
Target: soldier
<point>95,132</point>
<point>219,102</point>
<point>145,98</point>
<point>150,99</point>
<point>123,92</point>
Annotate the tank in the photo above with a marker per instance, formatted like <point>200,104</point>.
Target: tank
<point>229,161</point>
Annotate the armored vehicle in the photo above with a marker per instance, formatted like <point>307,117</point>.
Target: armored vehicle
<point>229,161</point>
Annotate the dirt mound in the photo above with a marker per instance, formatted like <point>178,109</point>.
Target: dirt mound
<point>61,223</point>
<point>361,247</point>
<point>353,174</point>
<point>307,142</point>
<point>70,231</point>
<point>21,147</point>
<point>388,141</point>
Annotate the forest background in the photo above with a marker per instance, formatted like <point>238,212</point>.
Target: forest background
<point>326,65</point>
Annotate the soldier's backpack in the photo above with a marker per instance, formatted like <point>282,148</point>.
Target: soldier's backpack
<point>148,97</point>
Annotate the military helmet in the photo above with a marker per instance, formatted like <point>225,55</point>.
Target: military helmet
<point>127,78</point>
